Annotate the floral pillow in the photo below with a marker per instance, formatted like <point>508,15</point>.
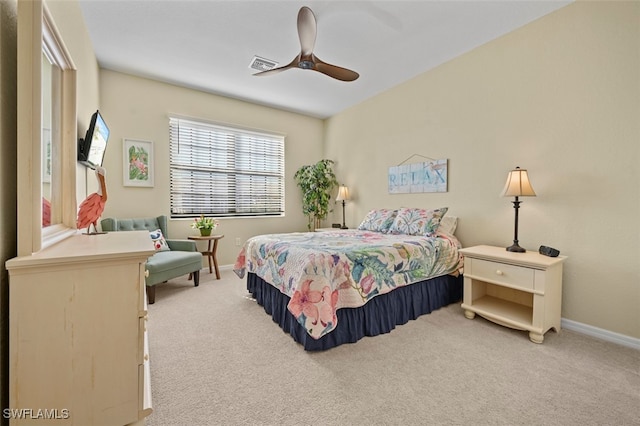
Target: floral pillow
<point>417,221</point>
<point>448,224</point>
<point>159,242</point>
<point>379,220</point>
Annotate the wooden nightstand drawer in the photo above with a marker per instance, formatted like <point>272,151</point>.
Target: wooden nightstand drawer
<point>501,273</point>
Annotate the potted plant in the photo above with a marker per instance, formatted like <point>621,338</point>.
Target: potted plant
<point>204,225</point>
<point>316,182</point>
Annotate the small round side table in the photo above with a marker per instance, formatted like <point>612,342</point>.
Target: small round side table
<point>211,251</point>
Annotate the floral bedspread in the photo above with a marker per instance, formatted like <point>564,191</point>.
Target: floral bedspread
<point>325,271</point>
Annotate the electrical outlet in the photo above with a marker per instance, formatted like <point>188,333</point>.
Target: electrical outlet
<point>238,242</point>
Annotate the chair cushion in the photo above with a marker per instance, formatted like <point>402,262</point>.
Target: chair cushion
<point>168,260</point>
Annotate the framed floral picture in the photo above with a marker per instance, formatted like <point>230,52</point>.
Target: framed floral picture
<point>138,163</point>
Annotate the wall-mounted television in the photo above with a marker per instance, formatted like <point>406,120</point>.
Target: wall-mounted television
<point>91,149</point>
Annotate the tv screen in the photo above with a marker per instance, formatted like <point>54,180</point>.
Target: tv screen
<point>91,149</point>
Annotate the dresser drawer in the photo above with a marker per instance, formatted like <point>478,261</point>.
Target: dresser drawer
<point>502,273</point>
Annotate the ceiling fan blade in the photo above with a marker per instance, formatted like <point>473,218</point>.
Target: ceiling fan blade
<point>292,64</point>
<point>334,71</point>
<point>307,30</point>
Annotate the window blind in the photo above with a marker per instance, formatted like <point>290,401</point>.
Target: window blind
<point>223,171</point>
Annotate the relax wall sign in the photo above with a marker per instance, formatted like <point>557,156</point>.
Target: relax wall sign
<point>429,176</point>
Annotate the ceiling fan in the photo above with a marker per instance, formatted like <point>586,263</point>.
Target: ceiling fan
<point>306,60</point>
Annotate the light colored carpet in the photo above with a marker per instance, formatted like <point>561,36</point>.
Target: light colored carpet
<point>218,359</point>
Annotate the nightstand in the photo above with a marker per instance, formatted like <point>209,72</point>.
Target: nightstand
<point>517,290</point>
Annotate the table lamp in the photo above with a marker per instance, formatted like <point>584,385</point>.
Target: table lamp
<point>343,195</point>
<point>517,185</point>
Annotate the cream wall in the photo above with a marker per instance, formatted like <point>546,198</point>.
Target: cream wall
<point>559,97</point>
<point>138,108</point>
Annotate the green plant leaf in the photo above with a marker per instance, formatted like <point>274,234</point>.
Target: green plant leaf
<point>316,182</point>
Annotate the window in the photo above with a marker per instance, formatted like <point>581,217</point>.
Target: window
<point>223,171</point>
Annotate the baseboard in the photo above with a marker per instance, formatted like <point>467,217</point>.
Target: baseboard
<point>600,333</point>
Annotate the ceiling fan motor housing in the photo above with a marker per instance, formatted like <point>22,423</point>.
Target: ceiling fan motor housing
<point>306,65</point>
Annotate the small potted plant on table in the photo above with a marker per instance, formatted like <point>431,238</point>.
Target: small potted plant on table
<point>204,225</point>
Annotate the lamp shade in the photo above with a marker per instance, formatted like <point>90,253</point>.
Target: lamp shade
<point>343,193</point>
<point>518,184</point>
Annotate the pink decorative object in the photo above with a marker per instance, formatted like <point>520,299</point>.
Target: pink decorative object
<point>92,207</point>
<point>46,212</point>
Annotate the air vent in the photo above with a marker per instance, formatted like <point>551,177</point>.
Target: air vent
<point>262,64</point>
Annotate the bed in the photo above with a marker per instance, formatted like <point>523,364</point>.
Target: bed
<point>330,288</point>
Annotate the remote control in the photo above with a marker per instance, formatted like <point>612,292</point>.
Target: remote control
<point>549,251</point>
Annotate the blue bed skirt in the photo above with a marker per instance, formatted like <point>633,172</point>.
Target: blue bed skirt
<point>380,315</point>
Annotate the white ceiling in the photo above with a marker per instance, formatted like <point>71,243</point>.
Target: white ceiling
<point>208,45</point>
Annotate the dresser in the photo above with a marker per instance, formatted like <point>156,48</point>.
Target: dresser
<point>78,348</point>
<point>518,290</point>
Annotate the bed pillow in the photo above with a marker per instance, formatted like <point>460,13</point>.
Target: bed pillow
<point>159,243</point>
<point>378,220</point>
<point>417,221</point>
<point>448,224</point>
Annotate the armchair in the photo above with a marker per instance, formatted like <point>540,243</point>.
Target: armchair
<point>181,258</point>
